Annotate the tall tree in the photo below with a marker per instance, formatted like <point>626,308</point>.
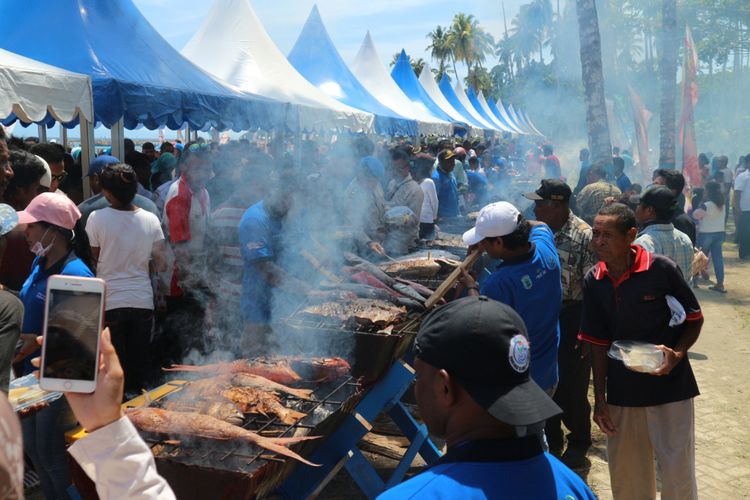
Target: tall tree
<point>668,83</point>
<point>440,50</point>
<point>592,75</point>
<point>469,42</point>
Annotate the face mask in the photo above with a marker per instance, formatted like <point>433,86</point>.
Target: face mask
<point>40,251</point>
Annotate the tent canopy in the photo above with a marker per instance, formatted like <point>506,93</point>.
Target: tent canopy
<point>464,100</point>
<point>371,73</point>
<point>499,111</point>
<point>479,105</point>
<point>431,88</point>
<point>136,75</point>
<point>452,98</point>
<point>34,92</point>
<point>317,59</point>
<point>233,45</point>
<point>403,75</point>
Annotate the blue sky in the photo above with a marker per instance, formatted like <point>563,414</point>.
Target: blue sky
<point>393,24</point>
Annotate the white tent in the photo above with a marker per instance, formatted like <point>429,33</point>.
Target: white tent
<point>511,121</point>
<point>31,89</point>
<point>464,100</point>
<point>487,111</point>
<point>233,45</point>
<point>371,73</point>
<point>430,86</point>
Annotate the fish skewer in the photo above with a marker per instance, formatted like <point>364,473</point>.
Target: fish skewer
<point>168,422</point>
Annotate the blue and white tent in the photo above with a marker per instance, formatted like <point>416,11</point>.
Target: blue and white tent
<point>485,113</point>
<point>316,58</point>
<point>136,75</point>
<point>501,113</point>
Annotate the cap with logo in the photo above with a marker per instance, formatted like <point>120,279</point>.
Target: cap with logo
<point>551,189</point>
<point>52,208</point>
<point>483,345</point>
<point>446,154</point>
<point>495,219</point>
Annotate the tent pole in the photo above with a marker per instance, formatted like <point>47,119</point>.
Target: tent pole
<point>118,140</point>
<point>64,137</point>
<point>87,152</point>
<point>42,133</point>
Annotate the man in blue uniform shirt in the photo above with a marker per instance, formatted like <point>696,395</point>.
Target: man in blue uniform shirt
<point>528,280</point>
<point>445,183</point>
<point>473,389</point>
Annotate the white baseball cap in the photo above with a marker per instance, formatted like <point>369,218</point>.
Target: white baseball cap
<point>46,180</point>
<point>495,219</point>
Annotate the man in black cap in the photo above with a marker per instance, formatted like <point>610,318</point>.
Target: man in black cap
<point>573,242</point>
<point>473,389</point>
<point>654,212</point>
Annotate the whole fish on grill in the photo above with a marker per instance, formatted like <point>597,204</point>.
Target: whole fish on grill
<point>423,290</point>
<point>408,291</point>
<point>276,370</point>
<point>359,312</point>
<point>168,422</point>
<point>222,410</point>
<point>257,382</point>
<point>250,400</point>
<point>414,268</point>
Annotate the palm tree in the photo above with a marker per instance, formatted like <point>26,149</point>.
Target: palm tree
<point>440,50</point>
<point>592,75</point>
<point>469,42</point>
<point>668,85</point>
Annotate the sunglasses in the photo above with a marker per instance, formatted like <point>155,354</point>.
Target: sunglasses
<point>59,177</point>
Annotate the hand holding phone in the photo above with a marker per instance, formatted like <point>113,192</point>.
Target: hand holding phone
<point>103,406</point>
<point>74,312</point>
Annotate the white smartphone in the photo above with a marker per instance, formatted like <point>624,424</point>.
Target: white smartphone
<point>73,318</point>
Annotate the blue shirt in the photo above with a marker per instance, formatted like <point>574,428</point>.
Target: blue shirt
<point>623,182</point>
<point>33,293</point>
<point>531,284</point>
<point>487,469</point>
<point>478,185</point>
<point>447,192</point>
<point>256,232</point>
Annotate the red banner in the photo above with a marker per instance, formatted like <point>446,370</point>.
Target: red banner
<point>690,167</point>
<point>641,119</point>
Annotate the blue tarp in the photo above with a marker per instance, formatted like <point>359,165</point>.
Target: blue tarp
<point>403,75</point>
<point>452,98</point>
<point>493,107</point>
<point>136,75</point>
<point>316,58</point>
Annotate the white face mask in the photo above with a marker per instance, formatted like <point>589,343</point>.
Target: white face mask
<point>37,248</point>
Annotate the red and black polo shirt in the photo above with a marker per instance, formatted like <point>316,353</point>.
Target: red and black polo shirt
<point>634,307</point>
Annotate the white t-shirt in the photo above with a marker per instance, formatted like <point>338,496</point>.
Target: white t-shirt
<point>711,219</point>
<point>125,240</point>
<point>742,184</point>
<point>430,202</point>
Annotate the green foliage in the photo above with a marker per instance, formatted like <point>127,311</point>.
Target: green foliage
<point>416,64</point>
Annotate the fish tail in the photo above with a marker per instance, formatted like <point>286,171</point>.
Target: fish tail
<point>271,445</point>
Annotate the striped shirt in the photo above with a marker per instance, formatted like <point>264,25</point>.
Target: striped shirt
<point>225,242</point>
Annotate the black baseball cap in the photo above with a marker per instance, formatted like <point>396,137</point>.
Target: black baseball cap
<point>660,197</point>
<point>484,346</point>
<point>551,189</point>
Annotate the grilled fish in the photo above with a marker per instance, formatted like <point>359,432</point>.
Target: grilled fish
<point>414,268</point>
<point>194,424</point>
<point>372,314</point>
<point>250,400</point>
<point>278,371</point>
<point>225,411</point>
<point>258,382</point>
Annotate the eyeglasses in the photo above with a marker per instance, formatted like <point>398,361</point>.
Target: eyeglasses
<point>60,177</point>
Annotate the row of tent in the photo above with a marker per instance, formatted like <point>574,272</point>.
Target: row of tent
<point>112,67</point>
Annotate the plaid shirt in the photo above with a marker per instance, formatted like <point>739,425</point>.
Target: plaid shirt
<point>573,242</point>
<point>664,239</point>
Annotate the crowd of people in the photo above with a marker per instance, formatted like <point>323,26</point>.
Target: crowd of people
<point>204,248</point>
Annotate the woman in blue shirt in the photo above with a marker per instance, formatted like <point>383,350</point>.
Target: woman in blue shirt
<point>50,221</point>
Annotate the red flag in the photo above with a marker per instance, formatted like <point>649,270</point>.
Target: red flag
<point>690,168</point>
<point>641,119</point>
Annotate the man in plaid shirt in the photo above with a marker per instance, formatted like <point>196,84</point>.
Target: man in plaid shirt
<point>655,210</point>
<point>573,241</point>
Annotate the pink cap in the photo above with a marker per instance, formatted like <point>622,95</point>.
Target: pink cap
<point>52,208</point>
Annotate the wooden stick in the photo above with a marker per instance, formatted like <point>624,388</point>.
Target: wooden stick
<point>451,279</point>
<point>319,266</point>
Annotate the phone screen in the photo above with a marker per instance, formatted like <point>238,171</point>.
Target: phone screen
<point>70,342</point>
